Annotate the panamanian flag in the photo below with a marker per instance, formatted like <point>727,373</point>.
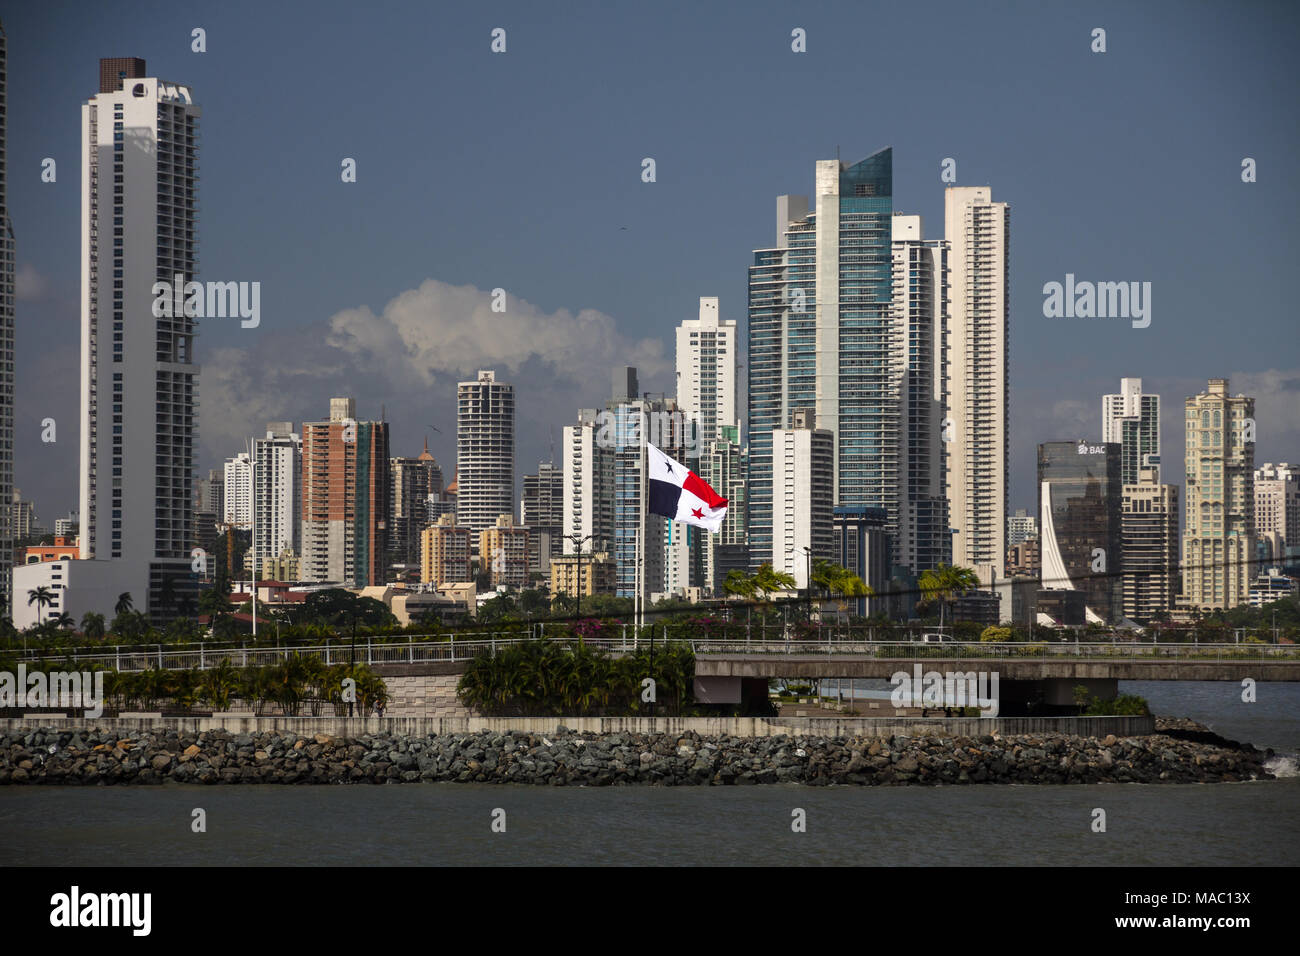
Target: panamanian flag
<point>677,492</point>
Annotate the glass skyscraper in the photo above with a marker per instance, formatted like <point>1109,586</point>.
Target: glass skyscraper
<point>820,337</point>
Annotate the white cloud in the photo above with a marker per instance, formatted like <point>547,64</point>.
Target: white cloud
<point>409,357</point>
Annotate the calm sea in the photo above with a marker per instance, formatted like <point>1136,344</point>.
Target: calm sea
<point>420,824</point>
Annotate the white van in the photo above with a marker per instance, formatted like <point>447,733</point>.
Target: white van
<point>936,639</point>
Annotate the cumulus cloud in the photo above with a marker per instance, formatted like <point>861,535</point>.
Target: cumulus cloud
<point>409,356</point>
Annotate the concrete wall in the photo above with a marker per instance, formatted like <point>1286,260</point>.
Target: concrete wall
<point>708,726</point>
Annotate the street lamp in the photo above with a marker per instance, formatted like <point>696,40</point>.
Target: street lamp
<point>579,542</point>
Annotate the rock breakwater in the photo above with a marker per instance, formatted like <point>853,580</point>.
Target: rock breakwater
<point>92,757</point>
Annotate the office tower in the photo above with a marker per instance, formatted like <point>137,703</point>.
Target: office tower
<point>803,463</point>
<point>1132,419</point>
<point>7,535</point>
<point>237,484</point>
<point>706,371</point>
<point>503,553</point>
<point>1219,537</point>
<point>209,494</point>
<point>541,510</point>
<point>345,488</point>
<point>139,382</point>
<point>1149,532</point>
<point>820,338</point>
<point>277,495</point>
<point>445,550</point>
<point>726,465</point>
<point>920,299</point>
<point>861,543</point>
<point>979,401</point>
<point>1277,511</point>
<point>1021,527</point>
<point>25,522</point>
<point>1025,558</point>
<point>416,500</point>
<point>588,466</point>
<point>1081,496</point>
<point>485,451</point>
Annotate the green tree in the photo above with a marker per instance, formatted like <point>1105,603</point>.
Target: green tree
<point>944,582</point>
<point>93,625</point>
<point>41,597</point>
<point>124,604</point>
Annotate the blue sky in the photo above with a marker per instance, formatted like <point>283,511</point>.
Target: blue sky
<point>522,171</point>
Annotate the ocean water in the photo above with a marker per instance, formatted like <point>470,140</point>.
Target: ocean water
<point>448,824</point>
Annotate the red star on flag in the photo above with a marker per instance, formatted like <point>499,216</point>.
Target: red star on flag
<point>696,512</point>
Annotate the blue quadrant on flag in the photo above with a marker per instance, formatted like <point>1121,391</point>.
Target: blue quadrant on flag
<point>677,492</point>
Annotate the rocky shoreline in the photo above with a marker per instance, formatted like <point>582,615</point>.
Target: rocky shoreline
<point>1180,752</point>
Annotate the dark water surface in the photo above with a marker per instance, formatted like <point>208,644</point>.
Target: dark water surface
<point>421,824</point>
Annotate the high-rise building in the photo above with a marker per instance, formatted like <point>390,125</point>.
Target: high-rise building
<point>445,551</point>
<point>803,459</point>
<point>1149,530</point>
<point>503,553</point>
<point>706,371</point>
<point>1132,419</point>
<point>139,380</point>
<point>209,493</point>
<point>7,535</point>
<point>1080,523</point>
<point>416,500</point>
<point>345,488</point>
<point>485,451</point>
<point>979,399</point>
<point>1277,512</point>
<point>1021,527</point>
<point>541,511</point>
<point>922,540</point>
<point>820,338</point>
<point>1219,536</point>
<point>1025,558</point>
<point>860,543</point>
<point>237,485</point>
<point>25,522</point>
<point>724,465</point>
<point>588,473</point>
<point>277,496</point>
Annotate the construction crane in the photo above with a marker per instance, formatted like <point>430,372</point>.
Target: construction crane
<point>228,529</point>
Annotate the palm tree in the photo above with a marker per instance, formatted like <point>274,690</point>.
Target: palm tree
<point>124,603</point>
<point>945,581</point>
<point>840,581</point>
<point>768,580</point>
<point>93,625</point>
<point>64,621</point>
<point>40,596</point>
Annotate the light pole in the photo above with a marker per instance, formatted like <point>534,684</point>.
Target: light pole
<point>579,542</point>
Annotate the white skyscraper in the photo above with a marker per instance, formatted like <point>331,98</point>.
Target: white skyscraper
<point>706,370</point>
<point>485,452</point>
<point>277,495</point>
<point>238,481</point>
<point>803,460</point>
<point>978,231</point>
<point>920,300</point>
<point>1131,420</point>
<point>139,381</point>
<point>588,467</point>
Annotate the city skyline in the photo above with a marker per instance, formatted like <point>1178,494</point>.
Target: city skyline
<point>355,307</point>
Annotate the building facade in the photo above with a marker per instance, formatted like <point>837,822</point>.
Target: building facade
<point>803,462</point>
<point>820,338</point>
<point>588,474</point>
<point>345,488</point>
<point>139,380</point>
<point>978,231</point>
<point>921,538</point>
<point>503,551</point>
<point>541,510</point>
<point>1132,420</point>
<point>1150,532</point>
<point>485,451</point>
<point>706,371</point>
<point>415,502</point>
<point>7,530</point>
<point>445,552</point>
<point>1080,495</point>
<point>237,482</point>
<point>1021,527</point>
<point>1219,532</point>
<point>1277,512</point>
<point>277,496</point>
